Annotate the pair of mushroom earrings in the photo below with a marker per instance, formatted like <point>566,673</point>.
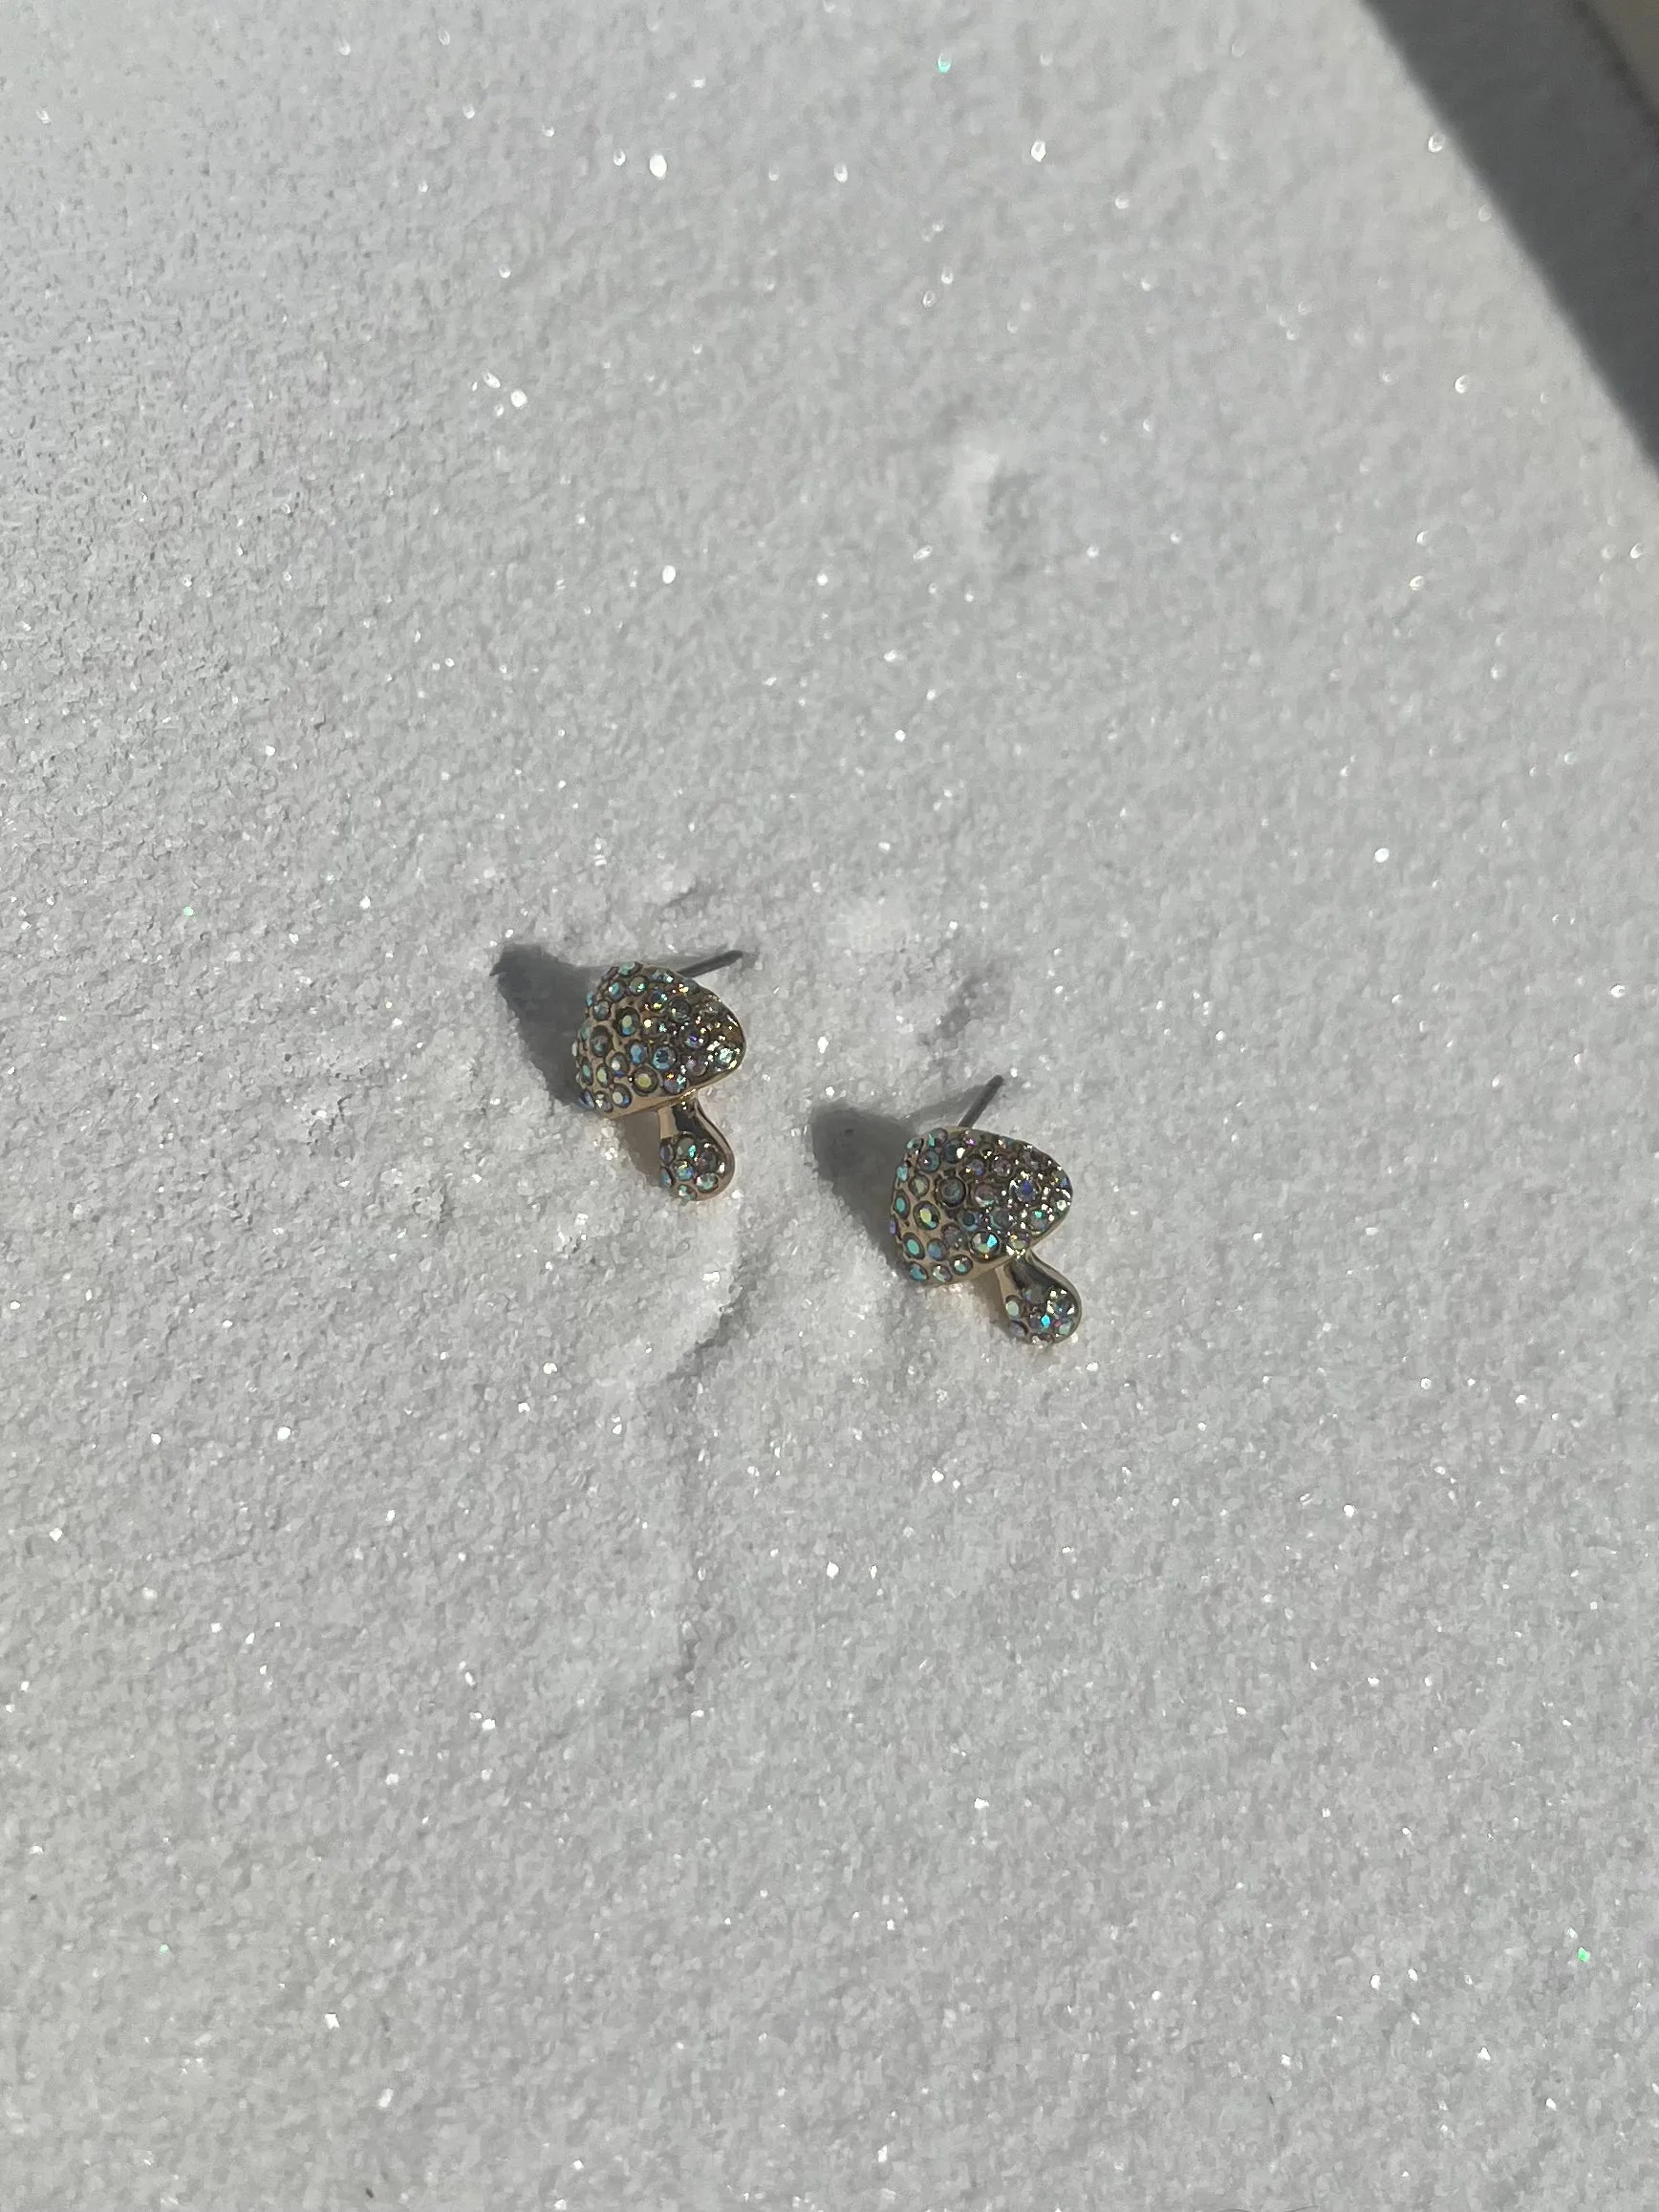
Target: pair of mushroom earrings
<point>965,1203</point>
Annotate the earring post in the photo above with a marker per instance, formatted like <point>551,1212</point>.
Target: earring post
<point>707,966</point>
<point>980,1102</point>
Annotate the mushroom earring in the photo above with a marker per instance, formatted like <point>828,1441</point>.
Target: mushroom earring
<point>966,1203</point>
<point>654,1037</point>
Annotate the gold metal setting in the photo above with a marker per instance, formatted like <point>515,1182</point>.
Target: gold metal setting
<point>966,1203</point>
<point>653,1038</point>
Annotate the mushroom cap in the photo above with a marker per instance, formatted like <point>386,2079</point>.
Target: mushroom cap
<point>651,1037</point>
<point>964,1201</point>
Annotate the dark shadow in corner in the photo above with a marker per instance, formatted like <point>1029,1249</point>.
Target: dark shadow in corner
<point>549,998</point>
<point>856,1152</point>
<point>1539,104</point>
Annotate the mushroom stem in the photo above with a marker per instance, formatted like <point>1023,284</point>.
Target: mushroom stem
<point>697,1161</point>
<point>1040,1307</point>
<point>980,1102</point>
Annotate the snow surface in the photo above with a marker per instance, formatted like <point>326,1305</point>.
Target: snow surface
<point>1076,537</point>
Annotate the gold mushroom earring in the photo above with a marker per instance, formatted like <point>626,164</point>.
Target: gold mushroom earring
<point>654,1037</point>
<point>966,1203</point>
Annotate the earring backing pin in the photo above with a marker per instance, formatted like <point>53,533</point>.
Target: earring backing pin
<point>980,1102</point>
<point>707,966</point>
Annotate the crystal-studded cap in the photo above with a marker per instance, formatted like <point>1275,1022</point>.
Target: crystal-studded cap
<point>652,1036</point>
<point>964,1201</point>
